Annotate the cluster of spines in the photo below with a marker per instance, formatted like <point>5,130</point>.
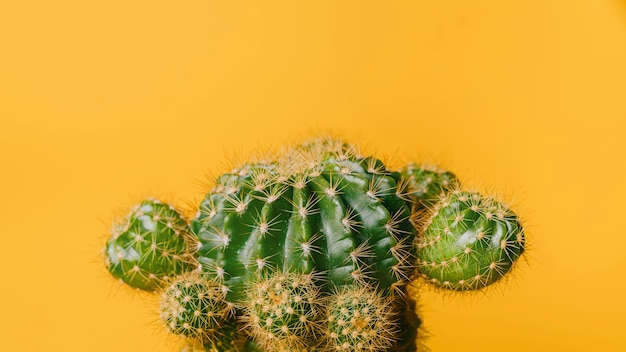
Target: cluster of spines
<point>230,340</point>
<point>469,241</point>
<point>282,312</point>
<point>425,184</point>
<point>337,219</point>
<point>149,245</point>
<point>195,308</point>
<point>358,318</point>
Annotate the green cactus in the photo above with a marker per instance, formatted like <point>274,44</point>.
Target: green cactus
<point>320,209</point>
<point>282,311</point>
<point>469,242</point>
<point>151,244</point>
<point>230,344</point>
<point>195,308</point>
<point>252,346</point>
<point>313,251</point>
<point>316,210</point>
<point>358,318</point>
<point>425,184</point>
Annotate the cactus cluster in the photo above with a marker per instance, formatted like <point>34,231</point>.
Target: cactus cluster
<point>312,251</point>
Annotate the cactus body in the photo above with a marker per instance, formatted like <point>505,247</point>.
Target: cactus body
<point>151,244</point>
<point>283,312</point>
<point>359,319</point>
<point>194,307</point>
<point>469,242</point>
<point>232,340</point>
<point>424,185</point>
<point>319,209</point>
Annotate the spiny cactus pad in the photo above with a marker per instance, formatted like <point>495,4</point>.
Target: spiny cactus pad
<point>470,241</point>
<point>151,244</point>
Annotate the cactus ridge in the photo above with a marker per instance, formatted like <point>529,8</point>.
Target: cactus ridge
<point>319,208</point>
<point>469,242</point>
<point>150,244</point>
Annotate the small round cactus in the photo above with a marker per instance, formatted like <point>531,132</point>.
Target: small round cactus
<point>319,208</point>
<point>195,308</point>
<point>282,312</point>
<point>151,244</point>
<point>425,184</point>
<point>358,318</point>
<point>469,242</point>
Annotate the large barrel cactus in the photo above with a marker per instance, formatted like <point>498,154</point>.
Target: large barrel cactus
<point>312,250</point>
<point>321,209</point>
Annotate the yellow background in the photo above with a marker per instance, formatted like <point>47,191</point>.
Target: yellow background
<point>102,102</point>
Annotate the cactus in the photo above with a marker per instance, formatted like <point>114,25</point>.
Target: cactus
<point>320,209</point>
<point>282,312</point>
<point>325,210</point>
<point>312,251</point>
<point>425,184</point>
<point>469,242</point>
<point>194,307</point>
<point>234,344</point>
<point>151,244</point>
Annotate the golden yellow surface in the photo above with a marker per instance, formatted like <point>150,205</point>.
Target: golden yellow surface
<point>103,102</point>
